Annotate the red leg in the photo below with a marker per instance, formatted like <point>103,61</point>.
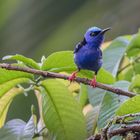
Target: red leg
<point>93,81</point>
<point>73,76</point>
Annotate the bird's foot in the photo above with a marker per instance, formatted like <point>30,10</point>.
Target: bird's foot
<point>93,82</point>
<point>72,77</point>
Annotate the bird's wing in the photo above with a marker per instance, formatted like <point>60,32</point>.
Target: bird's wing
<point>101,54</point>
<point>80,45</point>
<point>77,48</point>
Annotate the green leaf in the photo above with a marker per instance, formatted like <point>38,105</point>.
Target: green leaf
<point>4,114</point>
<point>63,111</point>
<point>18,130</point>
<point>110,104</point>
<point>8,75</point>
<point>132,105</point>
<point>5,102</point>
<point>60,61</point>
<point>11,78</point>
<point>27,61</point>
<point>126,74</point>
<point>105,77</point>
<point>85,73</point>
<point>136,67</point>
<point>113,54</point>
<point>83,95</point>
<point>91,120</point>
<point>129,68</point>
<point>5,87</point>
<point>134,46</point>
<point>135,82</point>
<point>95,96</point>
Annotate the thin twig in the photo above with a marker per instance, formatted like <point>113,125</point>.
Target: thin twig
<point>62,76</point>
<point>130,64</point>
<point>132,122</point>
<point>119,71</point>
<point>104,132</point>
<point>122,131</point>
<point>121,119</point>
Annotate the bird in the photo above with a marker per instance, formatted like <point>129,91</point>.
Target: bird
<point>88,54</point>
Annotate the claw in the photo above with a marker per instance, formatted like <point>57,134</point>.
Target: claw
<point>72,77</point>
<point>93,82</point>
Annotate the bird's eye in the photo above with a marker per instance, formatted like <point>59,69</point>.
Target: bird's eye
<point>92,34</point>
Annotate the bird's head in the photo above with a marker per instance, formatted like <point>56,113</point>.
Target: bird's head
<point>95,35</point>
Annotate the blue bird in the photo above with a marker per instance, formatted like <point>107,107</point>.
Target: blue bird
<point>87,53</point>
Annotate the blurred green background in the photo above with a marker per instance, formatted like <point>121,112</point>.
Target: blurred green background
<point>39,27</point>
<point>35,28</point>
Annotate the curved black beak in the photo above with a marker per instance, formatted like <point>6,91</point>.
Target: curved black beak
<point>105,30</point>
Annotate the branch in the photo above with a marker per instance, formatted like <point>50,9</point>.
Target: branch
<point>62,76</point>
<point>122,131</point>
<point>119,120</point>
<point>118,131</point>
<point>107,133</point>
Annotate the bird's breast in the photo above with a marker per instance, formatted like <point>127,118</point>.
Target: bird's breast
<point>87,58</point>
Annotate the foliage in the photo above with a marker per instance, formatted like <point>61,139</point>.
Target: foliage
<point>18,129</point>
<point>60,108</point>
<point>63,107</point>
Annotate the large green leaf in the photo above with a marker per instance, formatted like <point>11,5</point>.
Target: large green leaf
<point>113,54</point>
<point>132,105</point>
<point>27,61</point>
<point>18,130</point>
<point>10,78</point>
<point>134,46</point>
<point>62,113</point>
<point>135,84</point>
<point>8,75</point>
<point>110,104</point>
<point>59,61</point>
<point>91,120</point>
<point>5,87</point>
<point>5,102</point>
<point>4,114</point>
<point>105,77</point>
<point>136,67</point>
<point>126,74</point>
<point>83,95</point>
<point>95,96</point>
